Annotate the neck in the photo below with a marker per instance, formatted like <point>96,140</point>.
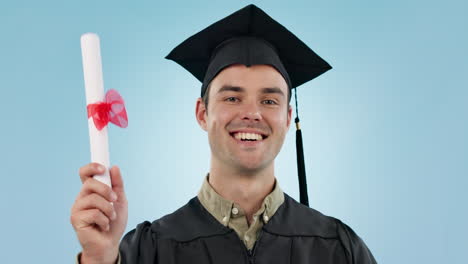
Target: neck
<point>246,188</point>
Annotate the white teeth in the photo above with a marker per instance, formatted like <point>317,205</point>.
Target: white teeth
<point>251,136</point>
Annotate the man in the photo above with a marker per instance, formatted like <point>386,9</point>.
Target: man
<point>248,64</point>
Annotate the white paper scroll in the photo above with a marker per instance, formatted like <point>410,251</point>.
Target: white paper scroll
<point>94,86</point>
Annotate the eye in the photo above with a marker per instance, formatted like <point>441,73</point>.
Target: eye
<point>269,102</point>
<point>231,99</point>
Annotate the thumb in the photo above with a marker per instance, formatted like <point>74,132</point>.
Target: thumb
<point>117,183</point>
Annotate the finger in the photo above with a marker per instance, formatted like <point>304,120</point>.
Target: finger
<point>94,186</point>
<point>89,170</point>
<point>117,183</point>
<point>89,218</point>
<point>95,201</point>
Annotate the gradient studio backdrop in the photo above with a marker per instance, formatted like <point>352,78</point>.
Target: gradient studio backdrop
<point>385,130</point>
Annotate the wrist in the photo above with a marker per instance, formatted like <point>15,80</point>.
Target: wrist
<point>108,259</point>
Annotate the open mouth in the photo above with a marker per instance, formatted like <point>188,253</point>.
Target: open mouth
<point>248,136</point>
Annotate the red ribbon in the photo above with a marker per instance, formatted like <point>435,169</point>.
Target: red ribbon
<point>112,110</point>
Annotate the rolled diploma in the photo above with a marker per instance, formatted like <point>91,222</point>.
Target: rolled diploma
<point>94,86</point>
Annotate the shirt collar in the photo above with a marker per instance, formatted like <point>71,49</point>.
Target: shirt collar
<point>221,208</point>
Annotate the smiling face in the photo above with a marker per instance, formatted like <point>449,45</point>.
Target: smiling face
<point>247,117</point>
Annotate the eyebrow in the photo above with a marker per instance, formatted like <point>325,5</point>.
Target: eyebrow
<point>227,88</point>
<point>273,90</point>
<point>268,90</point>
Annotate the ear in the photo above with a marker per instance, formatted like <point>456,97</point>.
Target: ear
<point>200,113</point>
<point>289,115</point>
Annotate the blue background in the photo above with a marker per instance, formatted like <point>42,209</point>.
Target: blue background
<point>385,130</point>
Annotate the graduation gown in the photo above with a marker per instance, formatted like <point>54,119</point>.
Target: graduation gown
<point>295,234</point>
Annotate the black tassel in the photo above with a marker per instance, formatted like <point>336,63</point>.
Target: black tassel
<point>303,197</point>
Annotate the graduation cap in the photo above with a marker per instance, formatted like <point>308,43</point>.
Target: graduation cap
<point>249,36</point>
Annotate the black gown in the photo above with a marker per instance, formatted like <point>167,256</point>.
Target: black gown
<point>295,234</point>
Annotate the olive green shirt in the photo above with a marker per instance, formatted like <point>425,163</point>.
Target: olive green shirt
<point>231,215</point>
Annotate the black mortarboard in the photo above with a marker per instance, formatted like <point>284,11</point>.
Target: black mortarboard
<point>250,37</point>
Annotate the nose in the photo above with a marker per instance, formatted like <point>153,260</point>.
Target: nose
<point>251,112</point>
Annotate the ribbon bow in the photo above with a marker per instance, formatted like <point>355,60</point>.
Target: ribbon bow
<point>112,109</point>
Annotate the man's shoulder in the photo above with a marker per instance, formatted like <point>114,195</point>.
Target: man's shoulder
<point>184,224</point>
<point>295,219</point>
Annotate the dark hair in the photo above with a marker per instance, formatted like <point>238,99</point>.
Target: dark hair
<point>206,95</point>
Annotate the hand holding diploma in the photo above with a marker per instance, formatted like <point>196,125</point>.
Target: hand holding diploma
<point>99,214</point>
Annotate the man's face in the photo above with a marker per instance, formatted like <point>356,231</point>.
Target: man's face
<point>247,117</point>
